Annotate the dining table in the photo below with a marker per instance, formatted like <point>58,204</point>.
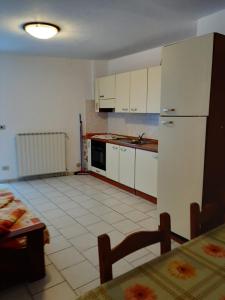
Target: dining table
<point>194,270</point>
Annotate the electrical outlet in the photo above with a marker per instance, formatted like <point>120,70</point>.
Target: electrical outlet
<point>5,168</point>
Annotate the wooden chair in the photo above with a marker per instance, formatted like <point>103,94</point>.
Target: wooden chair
<point>133,242</point>
<point>211,216</point>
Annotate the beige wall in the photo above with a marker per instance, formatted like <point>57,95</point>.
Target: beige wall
<point>41,94</point>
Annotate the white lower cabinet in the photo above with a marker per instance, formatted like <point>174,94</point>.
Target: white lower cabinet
<point>112,161</point>
<point>126,166</point>
<point>120,163</point>
<point>146,165</point>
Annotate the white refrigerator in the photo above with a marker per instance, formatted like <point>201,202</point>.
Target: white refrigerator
<point>185,97</point>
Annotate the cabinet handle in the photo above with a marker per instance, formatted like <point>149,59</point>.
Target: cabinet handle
<point>135,109</point>
<point>124,150</point>
<point>115,148</point>
<point>124,109</point>
<point>156,156</point>
<point>167,122</point>
<point>132,109</point>
<point>101,96</point>
<point>169,109</point>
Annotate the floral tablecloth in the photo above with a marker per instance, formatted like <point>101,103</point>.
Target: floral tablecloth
<point>195,270</point>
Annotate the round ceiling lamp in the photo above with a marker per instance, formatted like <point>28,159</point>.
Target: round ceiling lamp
<point>41,30</point>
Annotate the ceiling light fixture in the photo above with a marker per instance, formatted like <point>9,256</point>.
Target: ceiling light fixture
<point>41,30</point>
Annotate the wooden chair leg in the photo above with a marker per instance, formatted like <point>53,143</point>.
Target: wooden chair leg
<point>105,263</point>
<point>35,250</point>
<point>164,226</point>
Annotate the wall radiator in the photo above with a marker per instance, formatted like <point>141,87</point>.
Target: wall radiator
<point>41,153</point>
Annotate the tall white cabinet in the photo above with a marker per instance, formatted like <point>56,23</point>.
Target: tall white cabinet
<point>180,172</point>
<point>191,165</point>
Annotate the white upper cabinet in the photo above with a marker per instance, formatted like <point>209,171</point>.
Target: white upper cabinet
<point>97,95</point>
<point>146,172</point>
<point>112,161</point>
<point>154,89</point>
<point>123,92</point>
<point>107,87</point>
<point>186,77</point>
<point>126,166</point>
<point>138,91</point>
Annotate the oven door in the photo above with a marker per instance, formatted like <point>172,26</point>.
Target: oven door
<point>98,155</point>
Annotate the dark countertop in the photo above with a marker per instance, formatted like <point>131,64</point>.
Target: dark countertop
<point>151,144</point>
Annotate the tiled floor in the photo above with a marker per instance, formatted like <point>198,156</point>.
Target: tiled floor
<point>76,210</point>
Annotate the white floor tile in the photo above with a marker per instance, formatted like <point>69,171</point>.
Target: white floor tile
<point>56,244</point>
<point>92,255</point>
<point>149,224</point>
<point>111,202</point>
<point>100,228</point>
<point>88,219</point>
<point>84,241</point>
<point>68,205</point>
<point>144,207</point>
<point>112,217</point>
<point>58,292</point>
<point>80,274</point>
<point>72,231</point>
<point>121,267</point>
<point>77,212</point>
<point>126,226</point>
<point>54,213</point>
<point>136,216</point>
<point>136,255</point>
<point>116,237</point>
<point>123,208</point>
<point>85,288</point>
<point>63,221</point>
<point>101,210</point>
<point>140,261</point>
<point>76,209</point>
<point>52,278</point>
<point>89,203</point>
<point>46,206</point>
<point>66,258</point>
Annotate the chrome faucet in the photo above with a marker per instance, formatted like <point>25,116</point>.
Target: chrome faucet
<point>140,136</point>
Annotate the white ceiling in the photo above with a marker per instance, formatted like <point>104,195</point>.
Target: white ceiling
<point>100,29</point>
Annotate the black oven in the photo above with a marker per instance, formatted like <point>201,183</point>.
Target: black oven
<point>98,155</point>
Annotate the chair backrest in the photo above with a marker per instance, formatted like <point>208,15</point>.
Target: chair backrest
<point>211,216</point>
<point>133,242</point>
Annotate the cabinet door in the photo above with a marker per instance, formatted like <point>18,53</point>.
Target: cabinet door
<point>146,172</point>
<point>107,87</point>
<point>138,91</point>
<point>186,77</point>
<point>112,161</point>
<point>123,92</point>
<point>97,95</point>
<point>180,168</point>
<point>89,154</point>
<point>154,89</point>
<point>126,166</point>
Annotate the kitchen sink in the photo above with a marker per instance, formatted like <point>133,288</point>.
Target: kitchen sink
<point>135,142</point>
